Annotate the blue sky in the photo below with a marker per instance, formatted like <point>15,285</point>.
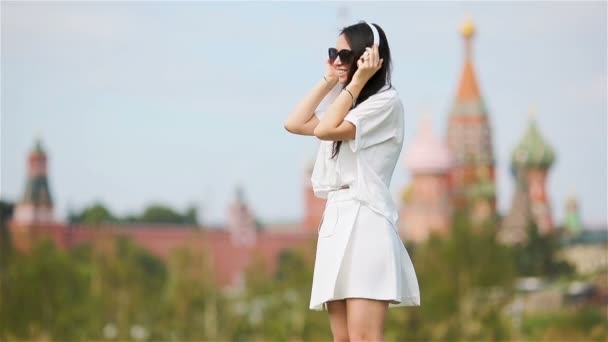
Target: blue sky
<point>177,103</point>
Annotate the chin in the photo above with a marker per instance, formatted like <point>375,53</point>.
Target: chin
<point>342,80</point>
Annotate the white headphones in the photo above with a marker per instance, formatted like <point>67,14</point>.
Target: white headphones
<point>375,33</point>
<point>376,37</point>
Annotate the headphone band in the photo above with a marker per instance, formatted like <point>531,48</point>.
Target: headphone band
<point>375,33</point>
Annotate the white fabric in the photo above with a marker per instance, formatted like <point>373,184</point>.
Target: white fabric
<point>359,252</point>
<point>368,161</point>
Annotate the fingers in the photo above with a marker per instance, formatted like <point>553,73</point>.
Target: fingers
<point>361,61</point>
<point>371,57</point>
<point>370,60</point>
<point>376,56</point>
<point>366,58</point>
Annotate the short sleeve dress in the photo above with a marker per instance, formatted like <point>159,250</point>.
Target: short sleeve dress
<point>359,251</point>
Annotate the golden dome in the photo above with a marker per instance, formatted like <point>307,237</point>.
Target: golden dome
<point>467,28</point>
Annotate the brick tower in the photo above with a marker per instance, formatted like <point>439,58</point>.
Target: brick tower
<point>469,139</point>
<point>36,205</point>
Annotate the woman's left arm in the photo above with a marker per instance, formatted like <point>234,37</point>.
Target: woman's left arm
<point>332,126</point>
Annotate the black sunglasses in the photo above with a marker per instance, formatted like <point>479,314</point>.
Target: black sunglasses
<point>346,56</point>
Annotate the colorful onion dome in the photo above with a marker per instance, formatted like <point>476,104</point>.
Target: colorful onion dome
<point>533,151</point>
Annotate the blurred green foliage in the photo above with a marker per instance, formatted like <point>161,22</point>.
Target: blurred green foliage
<point>154,213</point>
<point>114,290</point>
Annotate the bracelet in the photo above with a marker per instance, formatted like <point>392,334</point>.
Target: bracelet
<point>351,95</point>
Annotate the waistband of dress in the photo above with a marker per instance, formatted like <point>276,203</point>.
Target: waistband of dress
<point>341,187</point>
<point>339,194</point>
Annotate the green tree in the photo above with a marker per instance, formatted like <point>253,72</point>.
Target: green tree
<point>127,286</point>
<point>274,306</point>
<point>6,212</point>
<point>465,281</point>
<point>93,215</point>
<point>45,296</point>
<point>584,324</point>
<point>194,304</point>
<point>157,213</point>
<point>538,255</point>
<point>154,213</point>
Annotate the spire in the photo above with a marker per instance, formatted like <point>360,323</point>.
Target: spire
<point>468,90</point>
<point>241,221</point>
<point>469,135</point>
<point>239,193</point>
<point>572,218</point>
<point>38,145</point>
<point>467,29</point>
<point>36,188</point>
<point>36,203</point>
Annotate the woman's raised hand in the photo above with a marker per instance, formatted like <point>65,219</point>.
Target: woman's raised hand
<point>369,63</point>
<point>331,73</point>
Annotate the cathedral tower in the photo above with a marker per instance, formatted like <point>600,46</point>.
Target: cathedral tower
<point>36,205</point>
<point>530,163</point>
<point>469,139</point>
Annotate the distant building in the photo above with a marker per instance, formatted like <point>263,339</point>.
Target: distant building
<point>530,163</point>
<point>230,249</point>
<point>36,204</point>
<point>587,251</point>
<point>460,172</point>
<point>456,173</point>
<point>469,139</point>
<point>427,203</point>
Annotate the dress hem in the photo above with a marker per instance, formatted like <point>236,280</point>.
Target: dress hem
<point>407,301</point>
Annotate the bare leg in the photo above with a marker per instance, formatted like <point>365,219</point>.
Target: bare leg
<point>366,319</point>
<point>337,319</point>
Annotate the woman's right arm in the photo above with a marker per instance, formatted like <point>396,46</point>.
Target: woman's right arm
<point>302,119</point>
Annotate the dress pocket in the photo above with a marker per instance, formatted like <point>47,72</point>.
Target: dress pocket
<point>327,227</point>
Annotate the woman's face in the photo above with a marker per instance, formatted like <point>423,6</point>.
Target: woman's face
<point>342,69</point>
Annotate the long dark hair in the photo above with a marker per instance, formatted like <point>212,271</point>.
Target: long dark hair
<point>359,36</point>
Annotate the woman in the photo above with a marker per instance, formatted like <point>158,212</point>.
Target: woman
<point>361,267</point>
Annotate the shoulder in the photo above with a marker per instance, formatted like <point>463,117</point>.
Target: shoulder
<point>387,100</point>
<point>386,96</point>
<point>383,103</point>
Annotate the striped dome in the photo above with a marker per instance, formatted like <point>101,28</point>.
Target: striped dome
<point>533,150</point>
<point>427,154</point>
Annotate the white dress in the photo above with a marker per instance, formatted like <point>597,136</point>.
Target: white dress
<point>359,251</point>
